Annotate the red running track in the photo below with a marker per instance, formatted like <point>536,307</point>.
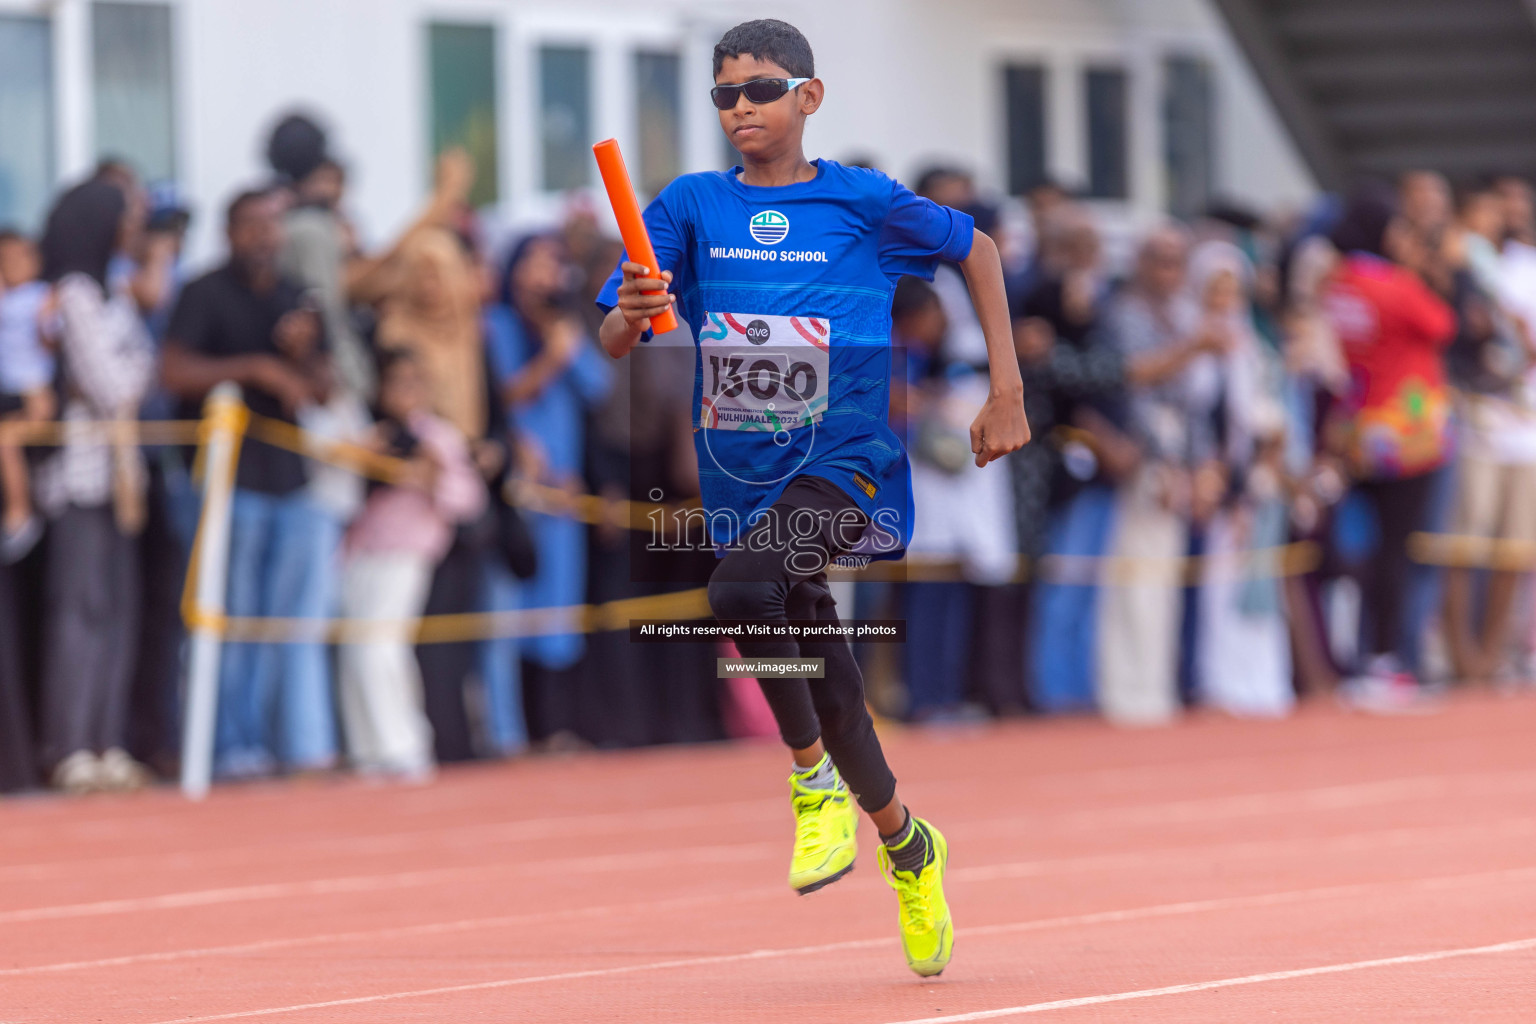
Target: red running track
<point>1331,867</point>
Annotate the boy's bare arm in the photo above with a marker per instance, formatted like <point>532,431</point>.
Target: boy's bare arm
<point>640,298</point>
<point>616,336</point>
<point>1001,426</point>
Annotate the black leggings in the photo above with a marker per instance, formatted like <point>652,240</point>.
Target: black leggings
<point>1401,507</point>
<point>763,581</point>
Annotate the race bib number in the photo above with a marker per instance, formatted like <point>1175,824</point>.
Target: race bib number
<point>764,373</point>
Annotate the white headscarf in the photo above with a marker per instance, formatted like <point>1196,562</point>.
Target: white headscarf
<point>1249,399</point>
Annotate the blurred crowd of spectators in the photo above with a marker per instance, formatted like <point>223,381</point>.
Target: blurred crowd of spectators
<point>1244,435</point>
<point>1316,387</point>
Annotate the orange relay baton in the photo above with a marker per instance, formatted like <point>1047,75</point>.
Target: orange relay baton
<point>626,208</point>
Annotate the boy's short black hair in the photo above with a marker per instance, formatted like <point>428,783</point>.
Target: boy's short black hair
<point>9,235</point>
<point>768,39</point>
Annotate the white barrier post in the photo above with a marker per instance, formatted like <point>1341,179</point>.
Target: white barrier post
<point>225,414</point>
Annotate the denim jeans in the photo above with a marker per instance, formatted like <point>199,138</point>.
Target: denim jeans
<point>1063,615</point>
<point>501,665</point>
<point>938,633</point>
<point>275,700</point>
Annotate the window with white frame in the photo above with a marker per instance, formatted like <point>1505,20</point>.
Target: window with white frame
<point>1024,112</point>
<point>132,85</point>
<point>1106,99</point>
<point>565,116</point>
<point>26,120</point>
<point>462,62</point>
<point>1188,134</point>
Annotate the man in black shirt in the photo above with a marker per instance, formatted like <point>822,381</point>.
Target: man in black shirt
<point>243,322</point>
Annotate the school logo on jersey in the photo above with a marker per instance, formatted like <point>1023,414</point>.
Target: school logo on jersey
<point>769,227</point>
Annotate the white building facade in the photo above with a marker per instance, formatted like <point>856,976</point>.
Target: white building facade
<point>1146,105</point>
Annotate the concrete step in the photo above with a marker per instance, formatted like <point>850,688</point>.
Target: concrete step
<point>1489,113</point>
<point>1378,23</point>
<point>1460,160</point>
<point>1419,71</point>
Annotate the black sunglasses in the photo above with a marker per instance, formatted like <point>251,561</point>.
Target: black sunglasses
<point>759,90</point>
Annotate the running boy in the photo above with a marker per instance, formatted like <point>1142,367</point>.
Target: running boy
<point>784,270</point>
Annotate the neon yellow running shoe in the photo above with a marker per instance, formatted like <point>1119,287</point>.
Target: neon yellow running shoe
<point>826,823</point>
<point>927,931</point>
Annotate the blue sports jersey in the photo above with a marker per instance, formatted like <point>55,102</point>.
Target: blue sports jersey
<point>787,292</point>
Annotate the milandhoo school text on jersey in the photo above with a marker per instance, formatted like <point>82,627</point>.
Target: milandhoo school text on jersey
<point>730,252</point>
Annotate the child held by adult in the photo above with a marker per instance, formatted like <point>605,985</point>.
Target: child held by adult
<point>27,368</point>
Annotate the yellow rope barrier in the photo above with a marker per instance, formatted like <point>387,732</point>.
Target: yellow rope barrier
<point>360,460</point>
<point>233,418</point>
<point>593,509</point>
<point>1274,562</point>
<point>470,626</point>
<point>1293,559</point>
<point>53,434</point>
<point>1461,552</point>
<point>691,604</point>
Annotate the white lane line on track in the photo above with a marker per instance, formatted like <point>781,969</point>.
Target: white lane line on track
<point>1517,946</point>
<point>1354,842</point>
<point>169,811</point>
<point>1349,796</point>
<point>402,931</point>
<point>626,822</point>
<point>1077,920</point>
<point>1131,814</point>
<point>397,880</point>
<point>1347,842</point>
<point>601,972</point>
<point>715,899</point>
<point>1183,811</point>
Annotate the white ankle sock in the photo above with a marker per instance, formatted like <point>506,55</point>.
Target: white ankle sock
<point>823,776</point>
